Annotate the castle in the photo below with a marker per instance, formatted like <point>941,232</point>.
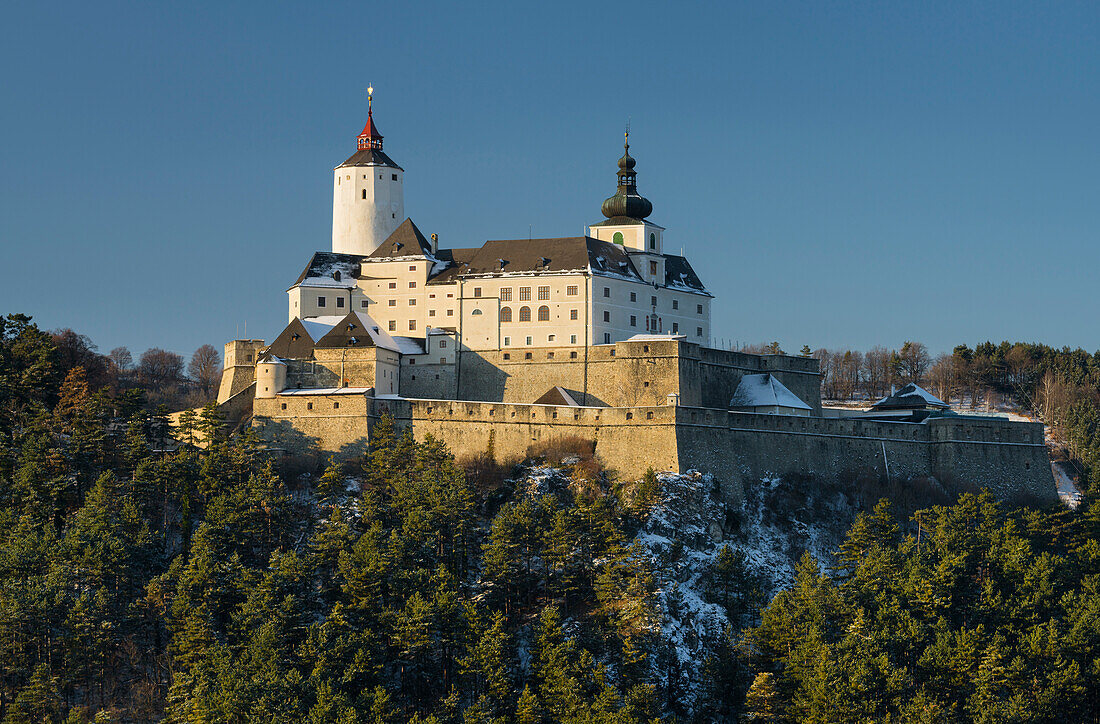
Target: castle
<point>604,336</point>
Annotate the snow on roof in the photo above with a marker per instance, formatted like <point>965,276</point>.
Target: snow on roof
<point>328,391</point>
<point>909,396</point>
<point>318,327</point>
<point>409,345</point>
<point>764,390</point>
<point>656,337</point>
<point>379,336</point>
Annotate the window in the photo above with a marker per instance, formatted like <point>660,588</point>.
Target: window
<point>675,327</point>
<point>475,313</point>
<point>618,238</point>
<point>412,267</point>
<point>573,340</point>
<point>633,297</point>
<point>525,294</point>
<point>442,360</point>
<point>363,304</point>
<point>607,316</point>
<point>393,177</point>
<point>528,342</point>
<point>606,338</point>
<point>653,301</point>
<point>412,302</point>
<point>477,291</point>
<point>572,355</point>
<point>544,293</point>
<point>339,302</point>
<point>549,355</point>
<point>544,313</point>
<point>320,301</point>
<point>412,361</point>
<point>431,312</point>
<point>571,290</point>
<point>431,296</point>
<point>507,343</point>
<point>336,405</point>
<point>573,314</point>
<point>675,303</point>
<point>412,325</point>
<point>450,296</point>
<point>443,344</point>
<point>698,331</point>
<point>527,355</point>
<point>393,303</point>
<point>550,337</point>
<point>652,241</point>
<point>525,314</point>
<point>698,308</point>
<point>633,321</point>
<point>412,285</point>
<point>653,268</point>
<point>393,285</point>
<point>506,314</point>
<point>364,193</point>
<point>506,294</point>
<point>607,292</point>
<point>450,312</point>
<point>284,405</point>
<point>393,326</point>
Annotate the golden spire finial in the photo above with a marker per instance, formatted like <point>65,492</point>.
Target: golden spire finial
<point>370,96</point>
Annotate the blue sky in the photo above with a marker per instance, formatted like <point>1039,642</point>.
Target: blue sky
<point>840,174</point>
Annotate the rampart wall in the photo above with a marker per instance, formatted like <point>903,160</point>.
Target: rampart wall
<point>738,448</point>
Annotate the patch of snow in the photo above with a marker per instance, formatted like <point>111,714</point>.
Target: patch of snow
<point>764,390</point>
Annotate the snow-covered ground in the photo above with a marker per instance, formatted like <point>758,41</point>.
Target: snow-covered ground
<point>1067,488</point>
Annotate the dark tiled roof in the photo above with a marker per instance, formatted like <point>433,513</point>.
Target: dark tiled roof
<point>293,342</point>
<point>370,157</point>
<point>679,273</point>
<point>406,240</point>
<point>324,263</point>
<point>539,256</point>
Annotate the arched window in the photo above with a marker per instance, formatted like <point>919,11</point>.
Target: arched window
<point>525,314</point>
<point>652,241</point>
<point>506,314</point>
<point>475,313</point>
<point>618,238</point>
<point>544,313</point>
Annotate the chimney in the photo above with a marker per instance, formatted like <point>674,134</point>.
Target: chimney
<point>435,243</point>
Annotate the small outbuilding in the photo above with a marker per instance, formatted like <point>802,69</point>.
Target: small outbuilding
<point>765,394</point>
<point>911,398</point>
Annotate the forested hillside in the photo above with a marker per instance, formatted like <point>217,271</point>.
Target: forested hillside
<point>143,578</point>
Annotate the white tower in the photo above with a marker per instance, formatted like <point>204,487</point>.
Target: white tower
<point>368,198</point>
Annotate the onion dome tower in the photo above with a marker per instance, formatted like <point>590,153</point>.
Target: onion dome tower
<point>368,198</point>
<point>626,206</point>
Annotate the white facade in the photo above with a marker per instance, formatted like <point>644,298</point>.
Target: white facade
<point>368,203</point>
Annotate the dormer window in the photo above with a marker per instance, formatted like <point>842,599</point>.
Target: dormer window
<point>336,275</point>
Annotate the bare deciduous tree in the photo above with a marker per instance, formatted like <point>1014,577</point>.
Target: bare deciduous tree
<point>204,368</point>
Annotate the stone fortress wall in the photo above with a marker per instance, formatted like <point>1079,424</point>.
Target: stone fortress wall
<point>738,448</point>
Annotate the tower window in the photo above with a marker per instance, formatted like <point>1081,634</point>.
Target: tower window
<point>607,338</point>
<point>675,303</point>
<point>633,321</point>
<point>653,268</point>
<point>607,316</point>
<point>633,296</point>
<point>607,292</point>
<point>394,177</point>
<point>653,301</point>
<point>698,331</point>
<point>652,241</point>
<point>544,313</point>
<point>525,314</point>
<point>618,238</point>
<point>698,308</point>
<point>675,327</point>
<point>364,193</point>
